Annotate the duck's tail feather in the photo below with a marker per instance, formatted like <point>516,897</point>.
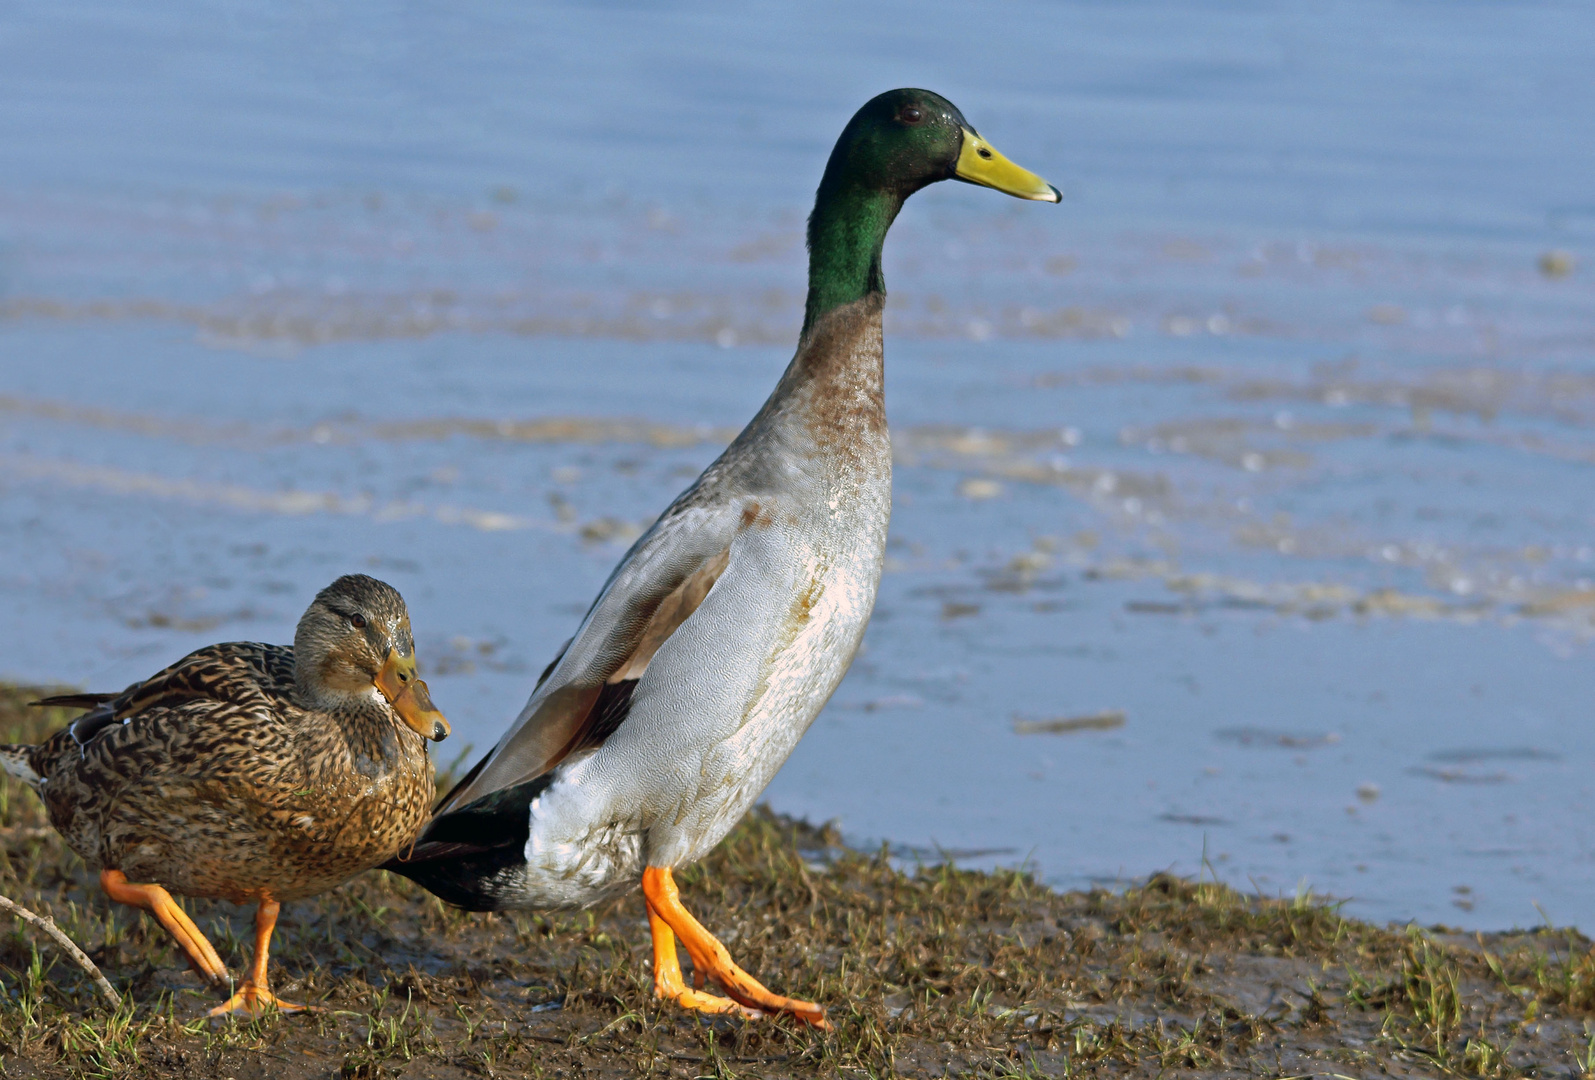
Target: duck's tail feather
<point>17,760</point>
<point>74,701</point>
<point>462,855</point>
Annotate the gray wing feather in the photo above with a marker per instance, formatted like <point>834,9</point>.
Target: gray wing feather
<point>680,543</point>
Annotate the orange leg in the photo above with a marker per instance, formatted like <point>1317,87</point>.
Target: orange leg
<point>253,998</point>
<point>667,975</point>
<point>668,919</point>
<point>158,902</point>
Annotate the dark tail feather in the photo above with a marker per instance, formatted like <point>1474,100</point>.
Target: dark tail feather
<point>462,855</point>
<point>101,713</point>
<point>74,701</point>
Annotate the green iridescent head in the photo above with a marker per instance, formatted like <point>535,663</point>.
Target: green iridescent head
<point>899,142</point>
<point>903,140</point>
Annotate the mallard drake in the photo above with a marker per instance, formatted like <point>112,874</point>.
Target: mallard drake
<point>726,627</point>
<point>249,772</point>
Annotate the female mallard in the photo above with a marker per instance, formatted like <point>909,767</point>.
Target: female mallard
<point>726,627</point>
<point>249,772</point>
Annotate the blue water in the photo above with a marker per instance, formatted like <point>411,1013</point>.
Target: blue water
<point>1277,437</point>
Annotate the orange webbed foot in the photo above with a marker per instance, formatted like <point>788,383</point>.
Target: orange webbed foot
<point>253,1001</point>
<point>667,918</point>
<point>669,985</point>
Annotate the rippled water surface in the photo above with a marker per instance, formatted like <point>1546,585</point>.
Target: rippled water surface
<point>1244,502</point>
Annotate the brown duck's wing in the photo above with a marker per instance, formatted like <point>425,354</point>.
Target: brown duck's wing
<point>245,674</point>
<point>586,693</point>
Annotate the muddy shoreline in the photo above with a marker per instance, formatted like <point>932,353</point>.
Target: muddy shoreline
<point>936,971</point>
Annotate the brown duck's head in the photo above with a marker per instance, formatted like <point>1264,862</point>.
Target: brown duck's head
<point>354,647</point>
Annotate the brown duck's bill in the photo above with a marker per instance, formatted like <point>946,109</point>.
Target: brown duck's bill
<point>979,163</point>
<point>409,697</point>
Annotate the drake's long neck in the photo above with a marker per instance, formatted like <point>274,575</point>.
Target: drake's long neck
<point>846,233</point>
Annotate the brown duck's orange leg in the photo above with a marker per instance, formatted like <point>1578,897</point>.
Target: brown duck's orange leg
<point>253,998</point>
<point>708,956</point>
<point>158,902</point>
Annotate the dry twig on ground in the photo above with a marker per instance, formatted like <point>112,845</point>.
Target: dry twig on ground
<point>68,946</point>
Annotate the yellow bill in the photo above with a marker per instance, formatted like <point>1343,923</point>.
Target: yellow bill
<point>409,697</point>
<point>979,163</point>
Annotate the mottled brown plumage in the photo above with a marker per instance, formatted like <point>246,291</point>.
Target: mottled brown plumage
<point>248,771</point>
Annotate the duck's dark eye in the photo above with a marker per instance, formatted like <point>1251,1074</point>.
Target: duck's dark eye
<point>911,115</point>
<point>358,621</point>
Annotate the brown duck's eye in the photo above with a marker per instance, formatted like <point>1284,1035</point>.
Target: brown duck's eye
<point>911,115</point>
<point>358,621</point>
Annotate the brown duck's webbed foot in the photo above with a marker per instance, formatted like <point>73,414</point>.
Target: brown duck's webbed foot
<point>253,998</point>
<point>747,996</point>
<point>253,1001</point>
<point>158,902</point>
